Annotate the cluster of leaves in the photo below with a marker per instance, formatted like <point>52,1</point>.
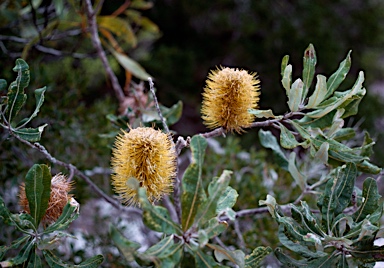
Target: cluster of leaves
<point>35,238</point>
<point>201,220</point>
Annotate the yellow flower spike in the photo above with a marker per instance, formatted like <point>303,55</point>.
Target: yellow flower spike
<point>147,155</point>
<point>60,188</point>
<point>228,95</point>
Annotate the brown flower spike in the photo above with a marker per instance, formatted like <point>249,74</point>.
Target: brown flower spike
<point>228,95</point>
<point>60,187</point>
<point>147,155</point>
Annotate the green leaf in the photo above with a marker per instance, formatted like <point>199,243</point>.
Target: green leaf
<point>371,200</point>
<point>297,247</point>
<point>319,94</point>
<point>267,140</point>
<point>119,27</point>
<point>16,96</point>
<point>284,64</point>
<point>203,260</point>
<point>127,248</point>
<point>30,134</point>
<point>338,77</point>
<point>193,193</point>
<point>38,191</point>
<point>172,114</point>
<point>55,262</point>
<point>258,254</point>
<point>235,256</point>
<point>299,178</point>
<point>216,189</point>
<point>322,154</point>
<point>294,96</point>
<point>287,78</point>
<point>69,214</point>
<point>164,249</point>
<point>156,217</point>
<point>288,140</point>
<point>264,113</point>
<point>214,227</point>
<point>39,96</point>
<point>34,261</point>
<point>287,261</point>
<point>23,254</point>
<point>366,148</point>
<point>227,200</point>
<point>344,134</point>
<point>130,65</point>
<point>270,202</point>
<point>309,63</point>
<point>15,244</point>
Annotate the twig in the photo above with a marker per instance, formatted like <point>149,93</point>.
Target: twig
<point>177,184</point>
<point>239,234</point>
<point>97,44</point>
<point>74,170</point>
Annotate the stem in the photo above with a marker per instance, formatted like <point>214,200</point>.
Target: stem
<point>97,44</point>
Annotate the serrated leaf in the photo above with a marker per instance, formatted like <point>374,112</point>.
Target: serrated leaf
<point>264,113</point>
<point>294,96</point>
<point>130,65</point>
<point>267,140</point>
<point>16,96</point>
<point>156,217</point>
<point>287,78</point>
<point>127,248</point>
<point>172,114</point>
<point>69,214</point>
<point>30,134</point>
<point>235,256</point>
<point>309,63</point>
<point>193,193</point>
<point>39,97</point>
<point>319,94</point>
<point>38,191</point>
<point>216,189</point>
<point>258,254</point>
<point>371,200</point>
<point>299,178</point>
<point>338,77</point>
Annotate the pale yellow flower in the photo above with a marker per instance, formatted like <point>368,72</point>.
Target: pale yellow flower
<point>147,155</point>
<point>228,95</point>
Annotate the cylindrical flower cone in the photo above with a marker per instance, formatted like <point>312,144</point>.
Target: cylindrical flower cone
<point>228,95</point>
<point>147,155</point>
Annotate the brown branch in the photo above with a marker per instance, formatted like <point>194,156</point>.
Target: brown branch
<point>97,44</point>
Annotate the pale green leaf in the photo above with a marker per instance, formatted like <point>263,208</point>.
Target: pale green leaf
<point>287,77</point>
<point>319,94</point>
<point>294,96</point>
<point>338,77</point>
<point>309,63</point>
<point>267,140</point>
<point>370,202</point>
<point>264,113</point>
<point>237,257</point>
<point>30,134</point>
<point>295,173</point>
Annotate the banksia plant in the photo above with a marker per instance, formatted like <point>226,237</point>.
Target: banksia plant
<point>228,95</point>
<point>60,188</point>
<point>147,155</point>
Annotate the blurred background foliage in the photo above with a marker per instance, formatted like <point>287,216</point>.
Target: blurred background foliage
<point>178,42</point>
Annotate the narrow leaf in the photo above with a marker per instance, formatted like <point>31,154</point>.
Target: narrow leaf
<point>127,248</point>
<point>193,193</point>
<point>38,191</point>
<point>258,254</point>
<point>284,64</point>
<point>287,78</point>
<point>236,256</point>
<point>309,63</point>
<point>338,77</point>
<point>267,140</point>
<point>34,261</point>
<point>214,227</point>
<point>295,173</point>
<point>16,96</point>
<point>119,27</point>
<point>319,94</point>
<point>294,96</point>
<point>3,84</point>
<point>39,96</point>
<point>264,113</point>
<point>69,214</point>
<point>172,114</point>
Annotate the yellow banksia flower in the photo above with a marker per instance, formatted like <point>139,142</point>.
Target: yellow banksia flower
<point>227,96</point>
<point>147,155</point>
<point>60,188</point>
